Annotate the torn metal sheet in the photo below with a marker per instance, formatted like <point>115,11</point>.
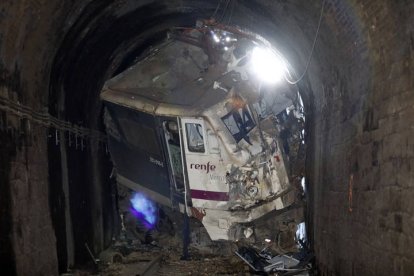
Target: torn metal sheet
<point>284,263</point>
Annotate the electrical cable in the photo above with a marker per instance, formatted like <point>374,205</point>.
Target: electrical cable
<point>313,48</point>
<point>223,15</point>
<point>215,12</point>
<point>231,11</point>
<point>45,119</point>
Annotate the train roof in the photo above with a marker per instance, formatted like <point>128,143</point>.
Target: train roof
<point>174,80</point>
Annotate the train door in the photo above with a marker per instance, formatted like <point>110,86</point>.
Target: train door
<point>205,169</point>
<point>174,148</point>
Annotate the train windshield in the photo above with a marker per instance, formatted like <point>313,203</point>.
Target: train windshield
<point>239,122</point>
<point>195,137</point>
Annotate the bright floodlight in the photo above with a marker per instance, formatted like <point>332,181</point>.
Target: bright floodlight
<point>269,67</point>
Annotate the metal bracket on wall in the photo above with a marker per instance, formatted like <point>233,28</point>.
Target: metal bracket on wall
<point>44,119</point>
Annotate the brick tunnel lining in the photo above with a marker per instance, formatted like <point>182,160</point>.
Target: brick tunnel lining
<point>350,106</point>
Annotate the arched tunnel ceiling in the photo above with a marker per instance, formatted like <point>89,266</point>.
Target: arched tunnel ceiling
<point>107,37</point>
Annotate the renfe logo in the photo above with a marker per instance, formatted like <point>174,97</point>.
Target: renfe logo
<point>203,167</point>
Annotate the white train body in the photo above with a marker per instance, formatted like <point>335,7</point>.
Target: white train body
<point>191,135</point>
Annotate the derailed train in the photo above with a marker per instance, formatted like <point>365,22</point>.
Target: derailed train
<point>187,127</point>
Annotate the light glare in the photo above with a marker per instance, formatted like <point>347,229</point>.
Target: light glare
<point>267,65</point>
<point>144,209</point>
<point>216,39</point>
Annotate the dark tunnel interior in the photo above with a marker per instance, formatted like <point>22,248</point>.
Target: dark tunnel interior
<point>358,99</point>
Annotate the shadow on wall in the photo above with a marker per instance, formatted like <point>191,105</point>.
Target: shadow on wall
<point>7,151</point>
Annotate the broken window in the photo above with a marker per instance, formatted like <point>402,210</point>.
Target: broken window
<point>195,139</point>
<point>239,122</point>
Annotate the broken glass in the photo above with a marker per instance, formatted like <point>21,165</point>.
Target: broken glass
<point>239,122</point>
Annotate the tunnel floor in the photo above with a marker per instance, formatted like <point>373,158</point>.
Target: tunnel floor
<point>158,262</point>
<point>152,260</point>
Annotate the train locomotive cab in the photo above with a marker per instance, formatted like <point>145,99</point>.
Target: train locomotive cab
<point>190,133</point>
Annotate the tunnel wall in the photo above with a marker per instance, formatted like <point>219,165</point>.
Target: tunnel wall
<point>34,230</point>
<point>26,44</point>
<point>361,151</point>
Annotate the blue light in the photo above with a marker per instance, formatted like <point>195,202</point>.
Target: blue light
<point>144,209</point>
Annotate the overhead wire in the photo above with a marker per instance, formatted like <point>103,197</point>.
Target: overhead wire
<point>312,50</point>
<point>231,11</point>
<point>215,11</point>
<point>223,15</point>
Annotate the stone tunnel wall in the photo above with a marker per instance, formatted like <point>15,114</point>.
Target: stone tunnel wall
<point>361,150</point>
<point>30,34</point>
<point>26,44</point>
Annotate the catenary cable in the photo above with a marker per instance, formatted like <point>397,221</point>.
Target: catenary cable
<point>312,50</point>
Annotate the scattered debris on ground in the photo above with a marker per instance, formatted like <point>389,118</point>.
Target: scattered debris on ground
<point>162,262</point>
<point>266,261</point>
<point>274,246</point>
